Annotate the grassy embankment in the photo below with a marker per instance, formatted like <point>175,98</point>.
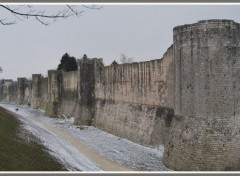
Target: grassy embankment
<point>18,155</point>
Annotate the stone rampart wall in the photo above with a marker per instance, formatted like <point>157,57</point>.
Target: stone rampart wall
<point>135,100</point>
<point>189,100</point>
<point>69,93</point>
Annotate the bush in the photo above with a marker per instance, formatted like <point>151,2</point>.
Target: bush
<point>67,63</point>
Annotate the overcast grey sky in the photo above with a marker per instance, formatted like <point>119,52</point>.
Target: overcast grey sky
<point>143,32</point>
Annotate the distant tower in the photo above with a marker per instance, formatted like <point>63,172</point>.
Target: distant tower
<point>36,90</point>
<point>23,93</point>
<point>54,93</point>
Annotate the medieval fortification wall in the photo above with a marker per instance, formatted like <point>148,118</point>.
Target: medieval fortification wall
<point>188,100</point>
<point>205,132</point>
<point>8,91</point>
<point>136,100</point>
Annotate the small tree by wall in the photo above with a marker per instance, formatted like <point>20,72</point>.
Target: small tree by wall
<point>114,63</point>
<point>67,63</point>
<point>124,59</point>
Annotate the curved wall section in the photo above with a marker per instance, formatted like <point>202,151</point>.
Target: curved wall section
<point>205,132</point>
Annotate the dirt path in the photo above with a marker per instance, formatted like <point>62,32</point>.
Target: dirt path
<point>100,160</point>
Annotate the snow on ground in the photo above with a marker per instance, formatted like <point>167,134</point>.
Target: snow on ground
<point>58,147</point>
<point>114,148</point>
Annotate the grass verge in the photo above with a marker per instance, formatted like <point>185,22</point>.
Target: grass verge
<point>16,154</point>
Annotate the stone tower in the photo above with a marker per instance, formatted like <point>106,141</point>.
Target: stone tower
<point>87,71</point>
<point>24,91</point>
<point>54,93</point>
<point>36,89</point>
<point>205,132</point>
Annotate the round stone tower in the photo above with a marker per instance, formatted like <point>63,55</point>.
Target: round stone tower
<point>205,132</point>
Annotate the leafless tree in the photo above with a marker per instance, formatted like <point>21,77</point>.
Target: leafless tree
<point>124,59</point>
<point>21,12</point>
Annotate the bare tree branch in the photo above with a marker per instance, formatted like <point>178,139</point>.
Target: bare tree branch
<point>39,14</point>
<point>42,16</point>
<point>7,23</point>
<point>93,7</point>
<point>42,22</point>
<point>76,12</point>
<point>16,16</point>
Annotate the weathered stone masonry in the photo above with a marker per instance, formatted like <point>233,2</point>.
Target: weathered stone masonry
<point>188,100</point>
<point>205,133</point>
<point>24,91</point>
<point>136,100</point>
<point>8,89</point>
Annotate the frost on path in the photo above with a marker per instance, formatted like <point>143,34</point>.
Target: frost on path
<point>114,148</point>
<point>66,154</point>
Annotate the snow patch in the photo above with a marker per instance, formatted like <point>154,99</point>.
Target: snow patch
<point>63,151</point>
<point>115,148</point>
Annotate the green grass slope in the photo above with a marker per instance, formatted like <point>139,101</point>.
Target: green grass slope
<point>18,155</point>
